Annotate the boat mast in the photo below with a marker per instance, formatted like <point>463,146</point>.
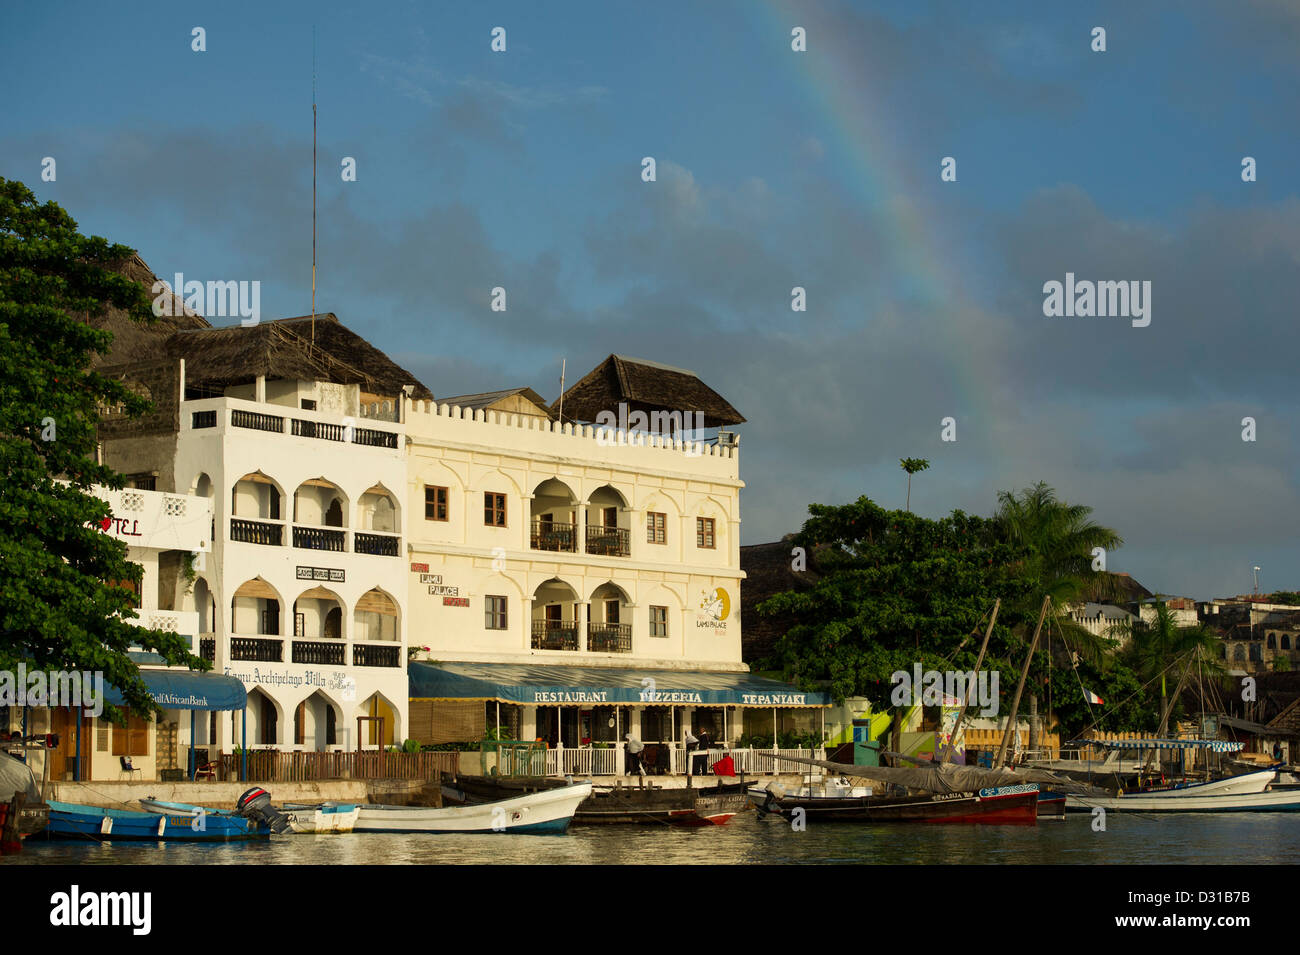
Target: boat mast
<point>1020,688</point>
<point>1164,721</point>
<point>979,662</point>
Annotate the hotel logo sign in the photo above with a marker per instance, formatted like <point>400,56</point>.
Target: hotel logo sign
<point>715,607</point>
<point>321,573</point>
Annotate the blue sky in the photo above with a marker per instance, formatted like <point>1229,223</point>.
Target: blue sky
<point>775,168</point>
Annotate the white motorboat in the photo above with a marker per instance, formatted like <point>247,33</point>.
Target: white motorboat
<point>549,811</point>
<point>325,818</point>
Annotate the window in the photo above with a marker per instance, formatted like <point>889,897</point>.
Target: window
<point>271,619</point>
<point>143,482</point>
<point>704,532</point>
<point>299,718</point>
<point>308,404</point>
<point>494,509</point>
<point>495,612</point>
<point>610,516</point>
<point>611,611</point>
<point>131,739</point>
<point>658,621</point>
<point>435,503</point>
<point>656,528</point>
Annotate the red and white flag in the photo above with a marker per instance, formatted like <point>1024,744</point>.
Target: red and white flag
<point>1092,697</point>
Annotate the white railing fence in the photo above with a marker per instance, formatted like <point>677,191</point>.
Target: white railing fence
<point>605,762</point>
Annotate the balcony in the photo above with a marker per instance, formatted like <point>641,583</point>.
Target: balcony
<point>374,439</point>
<point>381,545</point>
<point>609,637</point>
<point>319,538</point>
<point>256,421</point>
<point>256,532</point>
<point>548,535</point>
<point>607,541</point>
<point>371,655</point>
<point>317,429</point>
<point>257,649</point>
<point>208,649</point>
<point>204,419</point>
<point>185,622</point>
<point>319,652</point>
<point>555,635</point>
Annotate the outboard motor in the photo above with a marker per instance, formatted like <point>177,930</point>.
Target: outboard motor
<point>256,805</point>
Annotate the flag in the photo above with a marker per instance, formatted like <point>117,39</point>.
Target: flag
<point>1092,697</point>
<point>724,767</point>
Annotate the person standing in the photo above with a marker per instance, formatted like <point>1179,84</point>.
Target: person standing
<point>634,749</point>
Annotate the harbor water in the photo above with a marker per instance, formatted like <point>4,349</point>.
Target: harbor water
<point>1179,839</point>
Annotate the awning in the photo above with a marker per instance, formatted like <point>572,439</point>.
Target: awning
<point>1215,745</point>
<point>569,685</point>
<point>188,690</point>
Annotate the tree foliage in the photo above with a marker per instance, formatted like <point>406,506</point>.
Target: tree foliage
<point>61,603</point>
<point>896,589</point>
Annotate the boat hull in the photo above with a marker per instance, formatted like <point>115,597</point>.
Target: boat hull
<point>1281,800</point>
<point>72,820</point>
<point>549,811</point>
<point>321,820</point>
<point>1008,805</point>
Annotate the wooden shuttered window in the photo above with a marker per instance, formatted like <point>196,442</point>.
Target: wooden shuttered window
<point>131,739</point>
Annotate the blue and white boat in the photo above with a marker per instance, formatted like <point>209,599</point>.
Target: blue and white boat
<point>324,818</point>
<point>75,821</point>
<point>548,811</point>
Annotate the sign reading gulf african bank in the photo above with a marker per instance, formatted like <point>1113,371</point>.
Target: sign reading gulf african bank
<point>715,607</point>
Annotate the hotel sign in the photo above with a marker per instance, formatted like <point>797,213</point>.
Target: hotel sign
<point>715,607</point>
<point>321,573</point>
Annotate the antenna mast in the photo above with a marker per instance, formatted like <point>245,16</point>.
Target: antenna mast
<point>313,185</point>
<point>560,414</point>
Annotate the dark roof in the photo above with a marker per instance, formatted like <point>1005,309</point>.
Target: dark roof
<point>1111,587</point>
<point>284,348</point>
<point>644,386</point>
<point>132,340</point>
<point>489,398</point>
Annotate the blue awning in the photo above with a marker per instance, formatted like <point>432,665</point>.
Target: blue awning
<point>1215,745</point>
<point>540,685</point>
<point>188,690</point>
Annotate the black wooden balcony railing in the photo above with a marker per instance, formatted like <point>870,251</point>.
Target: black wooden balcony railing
<point>609,637</point>
<point>608,541</point>
<point>208,648</point>
<point>204,419</point>
<point>317,429</point>
<point>321,652</point>
<point>256,421</point>
<point>369,655</point>
<point>548,535</point>
<point>374,439</point>
<point>255,532</point>
<point>383,545</point>
<point>555,635</point>
<point>318,538</point>
<point>257,649</point>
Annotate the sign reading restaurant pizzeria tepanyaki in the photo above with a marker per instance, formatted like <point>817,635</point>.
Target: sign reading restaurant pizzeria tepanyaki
<point>450,595</point>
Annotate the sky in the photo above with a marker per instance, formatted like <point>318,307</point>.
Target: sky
<point>775,168</point>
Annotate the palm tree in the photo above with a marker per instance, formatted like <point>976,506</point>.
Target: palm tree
<point>1060,539</point>
<point>1158,644</point>
<point>911,466</point>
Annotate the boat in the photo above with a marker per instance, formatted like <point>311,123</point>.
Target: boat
<point>22,811</point>
<point>549,811</point>
<point>323,818</point>
<point>1051,804</point>
<point>1000,805</point>
<point>75,821</point>
<point>687,807</point>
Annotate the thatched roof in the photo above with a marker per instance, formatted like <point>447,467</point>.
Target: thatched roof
<point>644,386</point>
<point>133,341</point>
<point>220,357</point>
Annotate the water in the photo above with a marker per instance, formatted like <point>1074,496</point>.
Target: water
<point>1194,838</point>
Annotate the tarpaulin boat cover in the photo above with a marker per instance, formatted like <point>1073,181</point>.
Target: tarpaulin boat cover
<point>189,690</point>
<point>561,685</point>
<point>945,777</point>
<point>15,777</point>
<point>1214,745</point>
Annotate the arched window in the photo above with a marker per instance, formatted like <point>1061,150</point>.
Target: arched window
<point>334,514</point>
<point>1272,641</point>
<point>1286,642</point>
<point>1239,653</point>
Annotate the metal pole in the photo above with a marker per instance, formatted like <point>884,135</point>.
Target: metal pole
<point>76,769</point>
<point>979,662</point>
<point>1020,688</point>
<point>243,743</point>
<point>192,766</point>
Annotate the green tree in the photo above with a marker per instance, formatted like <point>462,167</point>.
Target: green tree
<point>1161,647</point>
<point>894,589</point>
<point>912,466</point>
<point>59,610</point>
